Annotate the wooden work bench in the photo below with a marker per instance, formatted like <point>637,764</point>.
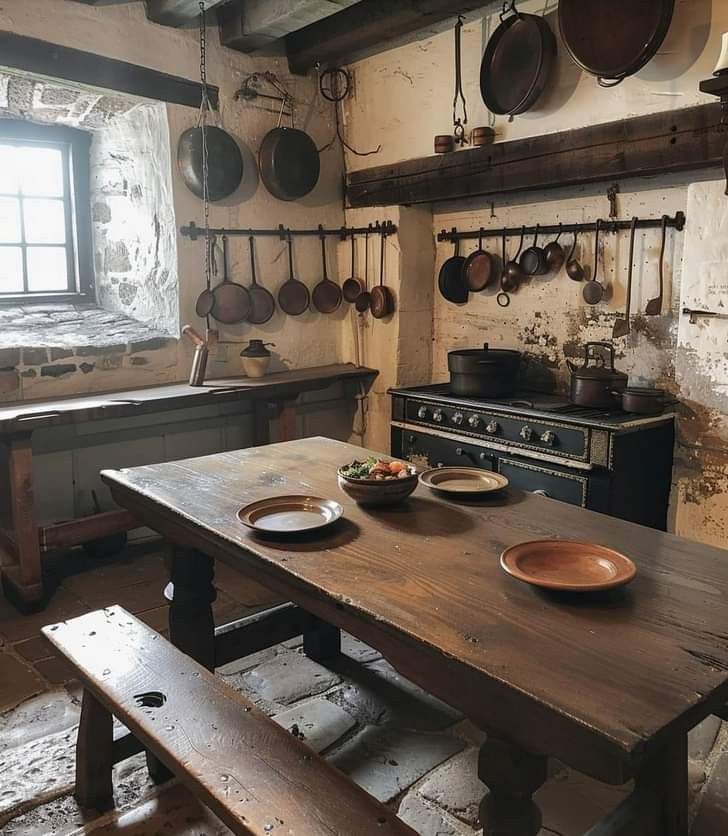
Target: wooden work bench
<point>23,541</point>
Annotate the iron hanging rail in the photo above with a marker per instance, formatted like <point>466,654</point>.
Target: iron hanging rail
<point>193,232</point>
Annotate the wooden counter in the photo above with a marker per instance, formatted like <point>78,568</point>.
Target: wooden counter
<point>23,540</point>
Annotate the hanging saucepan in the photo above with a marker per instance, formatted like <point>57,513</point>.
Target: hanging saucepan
<point>593,291</point>
<point>293,295</point>
<point>224,162</point>
<point>450,280</point>
<point>232,300</point>
<point>574,270</point>
<point>478,267</point>
<point>533,258</point>
<point>206,299</point>
<point>353,286</point>
<point>517,62</point>
<point>382,300</point>
<point>513,273</point>
<point>614,39</point>
<point>554,253</point>
<point>289,163</point>
<point>262,303</point>
<point>364,300</point>
<point>326,294</point>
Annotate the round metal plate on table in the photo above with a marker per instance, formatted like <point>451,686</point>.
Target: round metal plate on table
<point>463,480</point>
<point>290,514</point>
<point>568,565</point>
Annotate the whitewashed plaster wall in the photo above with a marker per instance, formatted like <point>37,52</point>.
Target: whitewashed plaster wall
<point>402,99</point>
<point>123,32</point>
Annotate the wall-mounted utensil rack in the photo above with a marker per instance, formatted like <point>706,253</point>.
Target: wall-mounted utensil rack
<point>695,315</point>
<point>193,232</point>
<point>675,222</point>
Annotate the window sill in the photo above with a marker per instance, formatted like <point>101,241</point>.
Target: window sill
<point>69,329</point>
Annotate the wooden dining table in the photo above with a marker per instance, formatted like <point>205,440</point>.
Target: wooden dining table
<point>608,683</point>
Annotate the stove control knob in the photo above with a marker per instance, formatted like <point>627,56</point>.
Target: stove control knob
<point>549,438</point>
<point>438,416</point>
<point>422,412</point>
<point>474,421</point>
<point>458,418</point>
<point>526,433</point>
<point>492,427</point>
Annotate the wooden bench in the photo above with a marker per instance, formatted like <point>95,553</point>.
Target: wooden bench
<point>253,774</point>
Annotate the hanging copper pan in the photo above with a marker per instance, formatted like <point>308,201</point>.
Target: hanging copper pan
<point>517,62</point>
<point>262,303</point>
<point>289,163</point>
<point>293,295</point>
<point>232,300</point>
<point>326,296</point>
<point>382,299</point>
<point>478,268</point>
<point>224,166</point>
<point>615,39</point>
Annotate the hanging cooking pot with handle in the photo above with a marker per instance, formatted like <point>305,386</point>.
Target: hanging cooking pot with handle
<point>596,386</point>
<point>517,62</point>
<point>533,258</point>
<point>483,372</point>
<point>616,39</point>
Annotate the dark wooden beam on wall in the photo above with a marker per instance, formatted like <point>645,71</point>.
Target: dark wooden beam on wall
<point>36,56</point>
<point>177,13</point>
<point>661,143</point>
<point>366,25</point>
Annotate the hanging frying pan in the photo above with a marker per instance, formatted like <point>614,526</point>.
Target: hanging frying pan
<point>353,286</point>
<point>326,295</point>
<point>293,296</point>
<point>289,163</point>
<point>224,162</point>
<point>478,268</point>
<point>262,303</point>
<point>206,299</point>
<point>517,62</point>
<point>364,300</point>
<point>381,300</point>
<point>232,300</point>
<point>616,39</point>
<point>450,280</point>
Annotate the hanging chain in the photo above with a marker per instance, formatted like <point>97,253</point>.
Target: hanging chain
<point>204,109</point>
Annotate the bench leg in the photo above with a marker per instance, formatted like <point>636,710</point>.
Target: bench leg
<point>321,641</point>
<point>94,755</point>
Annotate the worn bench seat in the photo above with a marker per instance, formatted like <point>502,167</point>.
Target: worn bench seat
<point>256,776</point>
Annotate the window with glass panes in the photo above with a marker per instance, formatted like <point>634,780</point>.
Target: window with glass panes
<point>39,223</point>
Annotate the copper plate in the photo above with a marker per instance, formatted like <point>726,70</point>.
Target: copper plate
<point>463,480</point>
<point>290,514</point>
<point>568,565</point>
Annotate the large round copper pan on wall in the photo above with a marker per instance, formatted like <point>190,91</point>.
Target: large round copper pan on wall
<point>289,163</point>
<point>614,39</point>
<point>224,162</point>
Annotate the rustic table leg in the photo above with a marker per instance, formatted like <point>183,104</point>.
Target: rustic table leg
<point>512,776</point>
<point>23,582</point>
<point>191,625</point>
<point>94,755</point>
<point>321,641</point>
<point>666,774</point>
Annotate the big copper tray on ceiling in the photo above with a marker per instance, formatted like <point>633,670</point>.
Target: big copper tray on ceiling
<point>614,39</point>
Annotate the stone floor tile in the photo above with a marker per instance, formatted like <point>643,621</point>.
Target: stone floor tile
<point>376,694</point>
<point>712,816</point>
<point>14,626</point>
<point>245,663</point>
<point>35,649</point>
<point>135,598</point>
<point>18,682</point>
<point>428,819</point>
<point>136,566</point>
<point>387,761</point>
<point>319,723</point>
<point>290,677</point>
<point>157,619</point>
<point>702,738</point>
<point>46,714</point>
<point>56,670</point>
<point>455,787</point>
<point>357,650</point>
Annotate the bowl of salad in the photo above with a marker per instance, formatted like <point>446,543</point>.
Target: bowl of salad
<point>377,481</point>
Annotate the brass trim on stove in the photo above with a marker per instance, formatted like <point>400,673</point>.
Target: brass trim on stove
<point>556,473</point>
<point>601,448</point>
<point>514,417</point>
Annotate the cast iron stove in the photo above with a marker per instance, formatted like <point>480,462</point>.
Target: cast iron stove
<point>611,461</point>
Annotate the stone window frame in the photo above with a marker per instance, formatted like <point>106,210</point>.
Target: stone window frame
<point>78,145</point>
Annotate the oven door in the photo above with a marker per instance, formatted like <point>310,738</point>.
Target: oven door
<point>425,451</point>
<point>545,480</point>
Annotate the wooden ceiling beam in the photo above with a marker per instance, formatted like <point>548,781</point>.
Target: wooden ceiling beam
<point>366,26</point>
<point>177,13</point>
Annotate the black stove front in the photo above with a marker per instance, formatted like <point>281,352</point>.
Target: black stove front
<point>610,461</point>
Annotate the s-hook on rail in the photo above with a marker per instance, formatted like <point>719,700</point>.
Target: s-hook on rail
<point>676,222</point>
<point>193,232</point>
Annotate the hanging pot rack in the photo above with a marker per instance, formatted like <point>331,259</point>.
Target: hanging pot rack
<point>677,222</point>
<point>193,232</point>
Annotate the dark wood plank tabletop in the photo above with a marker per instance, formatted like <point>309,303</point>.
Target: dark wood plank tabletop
<point>599,681</point>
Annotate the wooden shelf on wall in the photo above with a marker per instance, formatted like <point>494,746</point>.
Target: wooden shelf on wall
<point>661,143</point>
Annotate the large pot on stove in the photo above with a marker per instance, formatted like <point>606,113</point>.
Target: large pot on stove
<point>483,372</point>
<point>598,385</point>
